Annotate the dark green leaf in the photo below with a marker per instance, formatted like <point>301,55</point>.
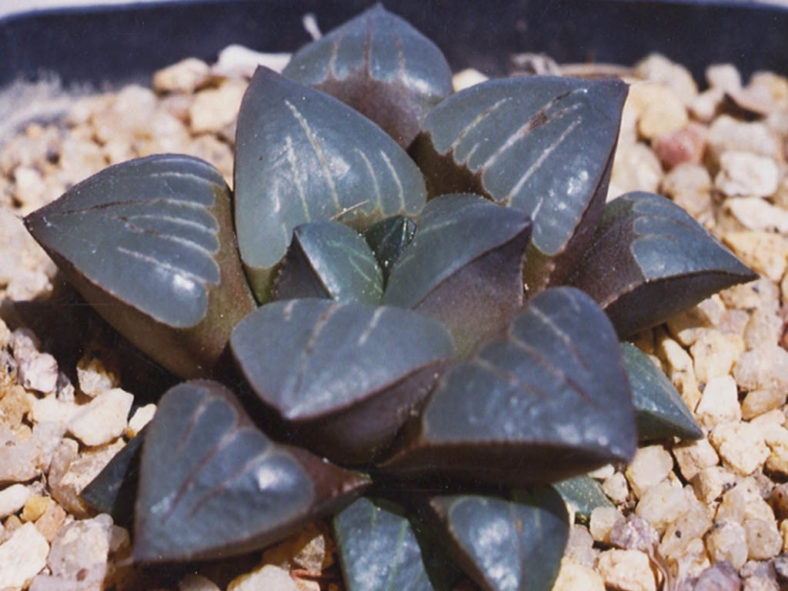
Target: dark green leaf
<point>547,401</point>
<point>503,544</point>
<point>329,260</point>
<point>212,485</point>
<point>346,376</point>
<point>660,411</point>
<point>540,144</point>
<point>464,267</point>
<point>583,494</point>
<point>303,156</point>
<point>380,65</point>
<point>388,239</point>
<point>114,490</point>
<point>649,260</point>
<point>379,550</point>
<point>149,243</point>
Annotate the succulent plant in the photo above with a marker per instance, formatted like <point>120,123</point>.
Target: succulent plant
<point>439,327</point>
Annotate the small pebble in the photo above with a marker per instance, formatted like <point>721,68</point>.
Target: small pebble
<point>719,403</point>
<point>723,76</point>
<point>759,402</point>
<point>684,145</point>
<point>651,465</point>
<point>216,108</point>
<point>38,372</point>
<point>184,76</point>
<point>689,186</point>
<point>694,456</point>
<point>266,577</point>
<point>764,367</point>
<point>662,504</point>
<point>103,419</point>
<point>626,570</point>
<point>13,498</point>
<point>740,445</point>
<point>727,133</point>
<point>720,576</point>
<point>573,576</point>
<point>580,546</point>
<point>94,378</point>
<point>22,557</point>
<point>615,487</point>
<point>763,539</point>
<point>765,252</point>
<point>711,482</point>
<point>141,417</point>
<point>755,213</point>
<point>727,541</point>
<point>743,174</point>
<point>467,78</point>
<point>35,507</point>
<point>602,521</point>
<point>195,582</point>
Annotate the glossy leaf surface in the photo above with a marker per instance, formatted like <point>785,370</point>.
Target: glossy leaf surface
<point>149,244</point>
<point>381,66</point>
<point>547,401</point>
<point>378,549</point>
<point>212,485</point>
<point>649,260</point>
<point>388,239</point>
<point>345,375</point>
<point>513,544</point>
<point>464,267</point>
<point>660,411</point>
<point>329,260</point>
<point>303,156</point>
<point>540,144</point>
<point>114,490</point>
<point>583,494</point>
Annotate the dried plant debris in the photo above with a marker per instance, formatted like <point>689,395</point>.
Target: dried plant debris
<point>383,307</point>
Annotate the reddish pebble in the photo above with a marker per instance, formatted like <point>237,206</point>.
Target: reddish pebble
<point>683,145</point>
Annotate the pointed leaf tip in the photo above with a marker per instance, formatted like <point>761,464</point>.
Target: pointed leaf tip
<point>649,260</point>
<point>660,411</point>
<point>213,485</point>
<point>381,66</point>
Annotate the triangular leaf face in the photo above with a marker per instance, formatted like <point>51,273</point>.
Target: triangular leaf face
<point>381,66</point>
<point>469,279</point>
<point>114,490</point>
<point>329,260</point>
<point>583,494</point>
<point>149,244</point>
<point>503,544</point>
<point>547,401</point>
<point>319,365</point>
<point>212,485</point>
<point>303,156</point>
<point>536,143</point>
<point>378,549</point>
<point>660,411</point>
<point>649,260</point>
<point>388,239</point>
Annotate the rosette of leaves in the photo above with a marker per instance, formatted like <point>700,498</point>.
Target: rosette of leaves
<point>438,327</point>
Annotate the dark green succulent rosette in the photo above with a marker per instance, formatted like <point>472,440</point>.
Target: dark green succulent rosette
<point>440,326</point>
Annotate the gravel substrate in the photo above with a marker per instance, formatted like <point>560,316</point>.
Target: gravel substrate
<point>706,515</point>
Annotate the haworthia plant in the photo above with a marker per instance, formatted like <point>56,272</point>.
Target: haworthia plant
<point>428,349</point>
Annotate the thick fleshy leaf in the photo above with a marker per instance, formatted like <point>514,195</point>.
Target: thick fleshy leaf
<point>540,144</point>
<point>464,267</point>
<point>378,549</point>
<point>304,156</point>
<point>381,66</point>
<point>513,544</point>
<point>547,401</point>
<point>114,490</point>
<point>388,239</point>
<point>149,244</point>
<point>660,411</point>
<point>329,260</point>
<point>346,376</point>
<point>583,494</point>
<point>212,485</point>
<point>649,260</point>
